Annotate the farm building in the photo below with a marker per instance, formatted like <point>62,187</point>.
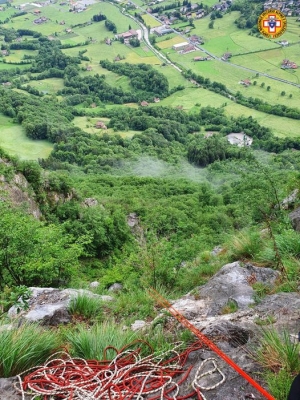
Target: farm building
<point>245,82</point>
<point>179,46</point>
<point>100,125</point>
<point>287,64</point>
<point>129,34</point>
<point>202,58</point>
<point>162,30</point>
<point>239,139</point>
<point>194,39</point>
<point>188,49</point>
<point>226,56</point>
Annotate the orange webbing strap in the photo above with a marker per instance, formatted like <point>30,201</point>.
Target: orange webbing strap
<point>160,299</point>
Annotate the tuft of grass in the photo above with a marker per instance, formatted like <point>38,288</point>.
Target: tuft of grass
<point>277,352</point>
<point>230,307</point>
<point>91,343</point>
<point>133,305</point>
<point>280,358</point>
<point>246,245</point>
<point>86,307</point>
<point>24,348</point>
<point>279,384</point>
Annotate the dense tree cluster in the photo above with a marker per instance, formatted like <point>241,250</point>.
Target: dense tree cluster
<point>99,17</point>
<point>111,26</point>
<point>143,77</point>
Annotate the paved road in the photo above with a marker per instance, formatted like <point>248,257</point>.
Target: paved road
<point>162,56</point>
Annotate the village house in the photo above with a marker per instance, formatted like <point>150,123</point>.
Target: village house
<point>156,99</point>
<point>144,104</point>
<point>100,125</point>
<point>202,58</point>
<point>194,39</point>
<point>129,34</point>
<point>4,53</point>
<point>188,49</point>
<point>287,64</point>
<point>245,82</point>
<point>40,20</point>
<point>226,56</point>
<point>284,43</point>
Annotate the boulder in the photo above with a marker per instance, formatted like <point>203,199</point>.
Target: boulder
<point>50,306</point>
<point>295,219</point>
<point>290,200</point>
<point>234,282</point>
<point>94,284</point>
<point>90,202</point>
<point>138,324</point>
<point>132,220</point>
<point>116,287</point>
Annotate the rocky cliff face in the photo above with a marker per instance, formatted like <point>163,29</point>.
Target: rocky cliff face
<point>15,189</point>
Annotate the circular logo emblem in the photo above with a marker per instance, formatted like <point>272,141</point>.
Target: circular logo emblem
<point>272,23</point>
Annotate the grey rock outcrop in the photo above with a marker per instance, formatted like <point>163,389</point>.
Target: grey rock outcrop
<point>7,390</point>
<point>17,191</point>
<point>116,287</point>
<point>90,202</point>
<point>290,200</point>
<point>50,306</point>
<point>232,283</point>
<point>295,219</point>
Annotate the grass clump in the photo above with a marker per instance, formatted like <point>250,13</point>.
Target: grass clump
<point>280,357</point>
<point>230,308</point>
<point>86,307</point>
<point>278,352</point>
<point>245,245</point>
<point>24,348</point>
<point>91,343</point>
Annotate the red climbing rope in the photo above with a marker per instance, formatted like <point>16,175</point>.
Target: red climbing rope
<point>128,376</point>
<point>160,299</point>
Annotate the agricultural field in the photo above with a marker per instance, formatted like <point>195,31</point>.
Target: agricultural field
<point>150,21</point>
<point>170,42</point>
<point>56,14</point>
<point>48,86</point>
<point>230,76</point>
<point>15,142</point>
<point>16,56</point>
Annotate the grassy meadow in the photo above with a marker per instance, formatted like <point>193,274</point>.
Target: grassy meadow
<point>150,21</point>
<point>192,98</point>
<point>87,124</point>
<point>50,85</point>
<point>15,142</point>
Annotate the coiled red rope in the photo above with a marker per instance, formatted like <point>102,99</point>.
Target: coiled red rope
<point>128,376</point>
